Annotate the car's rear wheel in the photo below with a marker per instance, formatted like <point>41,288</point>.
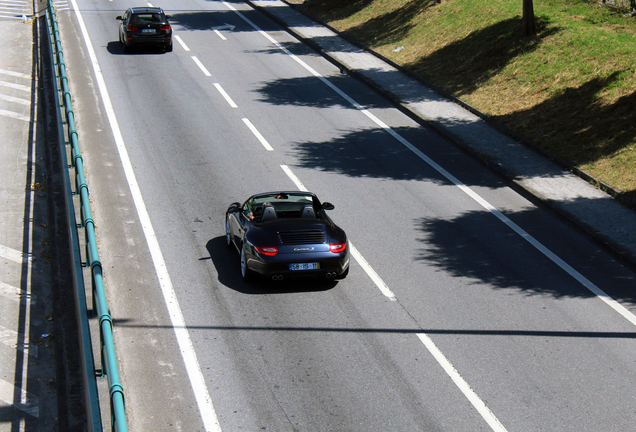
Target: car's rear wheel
<point>169,47</point>
<point>246,273</point>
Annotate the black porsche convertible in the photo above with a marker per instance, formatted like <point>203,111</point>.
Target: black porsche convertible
<point>287,235</point>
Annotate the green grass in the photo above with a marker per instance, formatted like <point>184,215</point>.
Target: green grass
<point>571,89</point>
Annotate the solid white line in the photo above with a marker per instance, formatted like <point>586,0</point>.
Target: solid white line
<point>535,243</point>
<point>258,135</point>
<point>197,381</point>
<point>225,95</point>
<point>205,71</point>
<point>220,35</point>
<point>470,394</point>
<point>183,45</point>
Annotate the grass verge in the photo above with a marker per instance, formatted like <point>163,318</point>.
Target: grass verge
<point>571,89</point>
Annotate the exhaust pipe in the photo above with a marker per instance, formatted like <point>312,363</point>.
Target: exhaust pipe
<point>331,275</point>
<point>277,277</point>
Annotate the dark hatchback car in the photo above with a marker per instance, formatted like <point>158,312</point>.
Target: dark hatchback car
<point>145,26</point>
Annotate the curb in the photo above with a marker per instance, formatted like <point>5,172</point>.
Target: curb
<point>624,255</point>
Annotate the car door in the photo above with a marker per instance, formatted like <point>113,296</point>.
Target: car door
<point>123,23</point>
<point>244,222</point>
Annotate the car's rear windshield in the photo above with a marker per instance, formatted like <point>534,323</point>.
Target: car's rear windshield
<point>274,199</point>
<point>148,18</point>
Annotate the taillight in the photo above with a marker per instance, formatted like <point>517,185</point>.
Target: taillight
<point>165,28</point>
<point>129,27</point>
<point>266,250</point>
<point>337,247</point>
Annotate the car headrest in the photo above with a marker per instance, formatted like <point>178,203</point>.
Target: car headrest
<point>308,212</point>
<point>269,213</point>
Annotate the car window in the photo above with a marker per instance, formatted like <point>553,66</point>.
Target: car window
<point>147,18</point>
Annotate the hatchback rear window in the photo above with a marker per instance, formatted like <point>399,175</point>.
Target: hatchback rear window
<point>147,18</point>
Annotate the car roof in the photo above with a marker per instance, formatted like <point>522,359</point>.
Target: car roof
<point>146,9</point>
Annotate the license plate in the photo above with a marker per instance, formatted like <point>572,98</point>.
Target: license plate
<point>148,30</point>
<point>304,266</point>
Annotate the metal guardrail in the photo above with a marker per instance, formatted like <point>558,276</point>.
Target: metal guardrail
<point>108,358</point>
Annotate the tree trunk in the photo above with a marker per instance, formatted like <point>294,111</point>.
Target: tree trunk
<point>529,23</point>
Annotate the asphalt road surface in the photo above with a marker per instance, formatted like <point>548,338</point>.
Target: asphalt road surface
<point>467,307</point>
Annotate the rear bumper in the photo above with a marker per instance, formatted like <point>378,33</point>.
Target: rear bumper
<point>133,40</point>
<point>330,265</point>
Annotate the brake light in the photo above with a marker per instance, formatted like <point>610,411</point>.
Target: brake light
<point>129,27</point>
<point>266,250</point>
<point>165,28</point>
<point>337,247</point>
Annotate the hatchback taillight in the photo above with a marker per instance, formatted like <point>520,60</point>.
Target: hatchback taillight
<point>129,27</point>
<point>165,28</point>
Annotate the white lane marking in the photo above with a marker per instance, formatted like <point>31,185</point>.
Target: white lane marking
<point>258,135</point>
<point>463,386</point>
<point>372,273</point>
<point>15,86</point>
<point>15,99</point>
<point>14,293</point>
<point>15,74</point>
<point>517,229</point>
<point>15,115</point>
<point>293,178</point>
<point>13,2</point>
<point>225,95</point>
<point>225,26</point>
<point>470,394</point>
<point>17,341</point>
<point>197,381</point>
<point>354,252</point>
<point>9,290</point>
<point>205,71</point>
<point>183,45</point>
<point>13,255</point>
<point>29,403</point>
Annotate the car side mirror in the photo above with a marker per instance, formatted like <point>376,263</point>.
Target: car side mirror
<point>328,206</point>
<point>168,17</point>
<point>118,18</point>
<point>234,208</point>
